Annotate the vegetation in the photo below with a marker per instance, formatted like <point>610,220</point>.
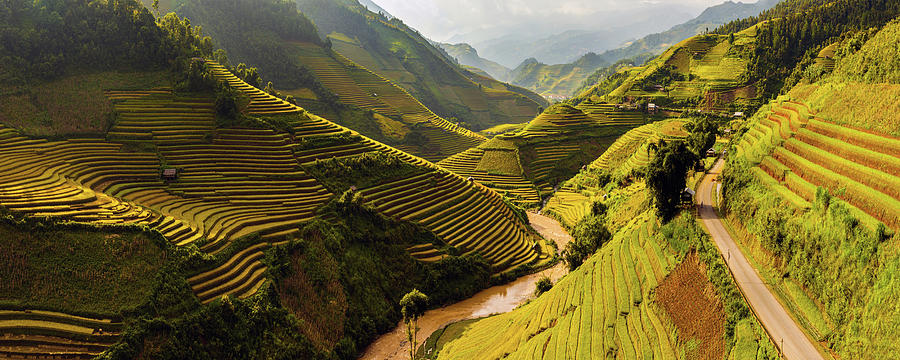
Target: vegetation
<point>413,305</point>
<point>590,234</point>
<point>830,251</point>
<point>400,54</point>
<point>107,277</point>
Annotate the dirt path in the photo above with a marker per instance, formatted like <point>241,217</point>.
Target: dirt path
<point>787,334</point>
<point>494,300</point>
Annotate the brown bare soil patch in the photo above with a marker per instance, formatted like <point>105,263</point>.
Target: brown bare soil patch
<point>689,299</point>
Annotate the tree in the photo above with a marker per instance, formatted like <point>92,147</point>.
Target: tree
<point>666,175</point>
<point>413,306</point>
<point>156,7</point>
<point>702,135</point>
<point>589,235</point>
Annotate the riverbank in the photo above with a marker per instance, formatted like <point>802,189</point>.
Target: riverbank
<point>494,300</point>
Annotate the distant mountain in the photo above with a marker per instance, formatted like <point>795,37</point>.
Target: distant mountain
<point>565,79</point>
<point>466,55</point>
<point>556,47</point>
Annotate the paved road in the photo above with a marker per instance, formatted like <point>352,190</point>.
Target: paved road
<point>787,334</point>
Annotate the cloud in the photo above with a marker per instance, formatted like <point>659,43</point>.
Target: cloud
<point>441,19</point>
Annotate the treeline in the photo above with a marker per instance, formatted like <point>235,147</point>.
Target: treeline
<point>49,38</point>
<point>797,27</point>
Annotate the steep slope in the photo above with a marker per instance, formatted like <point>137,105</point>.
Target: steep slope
<point>563,80</point>
<point>402,55</point>
<point>826,158</point>
<point>526,164</point>
<point>620,302</point>
<point>707,71</point>
<point>627,156</point>
<point>288,50</point>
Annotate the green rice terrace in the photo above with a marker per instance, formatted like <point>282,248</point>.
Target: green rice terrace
<point>627,156</point>
<point>228,184</point>
<point>316,179</point>
<point>525,164</point>
<point>357,86</point>
<point>705,71</point>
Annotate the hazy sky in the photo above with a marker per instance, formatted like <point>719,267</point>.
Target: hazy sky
<point>441,19</point>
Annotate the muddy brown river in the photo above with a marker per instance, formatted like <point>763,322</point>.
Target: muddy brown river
<point>494,300</point>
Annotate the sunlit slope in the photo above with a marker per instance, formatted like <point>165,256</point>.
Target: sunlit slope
<point>705,71</point>
<point>603,309</point>
<point>392,49</point>
<point>357,86</point>
<point>237,181</point>
<point>465,215</point>
<point>527,163</point>
<point>629,154</point>
<point>52,335</point>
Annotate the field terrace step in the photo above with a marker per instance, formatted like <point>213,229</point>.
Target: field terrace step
<point>464,214</point>
<point>241,275</point>
<point>796,153</point>
<point>35,334</point>
<point>162,117</point>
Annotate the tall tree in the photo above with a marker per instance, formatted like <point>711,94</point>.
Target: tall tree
<point>413,306</point>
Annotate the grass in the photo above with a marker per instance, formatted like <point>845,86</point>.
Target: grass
<point>113,270</point>
<point>71,105</point>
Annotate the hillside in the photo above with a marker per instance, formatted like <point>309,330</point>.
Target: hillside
<point>707,71</point>
<point>288,50</point>
<point>627,156</point>
<point>526,164</point>
<point>465,54</point>
<point>391,49</point>
<point>196,198</point>
<point>621,302</point>
<point>825,158</point>
<point>566,79</point>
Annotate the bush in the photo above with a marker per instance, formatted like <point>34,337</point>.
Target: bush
<point>544,284</point>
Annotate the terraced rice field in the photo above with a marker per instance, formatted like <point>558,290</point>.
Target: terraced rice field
<point>608,114</point>
<point>569,205</point>
<point>632,150</point>
<point>241,276</point>
<point>50,335</point>
<point>795,152</point>
<point>235,182</point>
<point>161,117</point>
<point>554,124</point>
<point>463,213</point>
<point>600,310</point>
<point>358,86</point>
<point>66,179</point>
<point>261,103</point>
<point>471,163</point>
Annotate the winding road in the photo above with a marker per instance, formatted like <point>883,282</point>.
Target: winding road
<point>788,336</point>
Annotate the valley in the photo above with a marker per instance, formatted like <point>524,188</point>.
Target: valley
<point>318,179</point>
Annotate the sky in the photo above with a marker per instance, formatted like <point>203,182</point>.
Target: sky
<point>460,20</point>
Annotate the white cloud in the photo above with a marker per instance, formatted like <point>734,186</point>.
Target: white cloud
<point>441,19</point>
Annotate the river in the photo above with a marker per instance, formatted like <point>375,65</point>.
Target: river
<point>493,300</point>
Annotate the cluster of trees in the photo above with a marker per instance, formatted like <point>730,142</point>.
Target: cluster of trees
<point>259,32</point>
<point>667,171</point>
<point>588,236</point>
<point>47,39</point>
